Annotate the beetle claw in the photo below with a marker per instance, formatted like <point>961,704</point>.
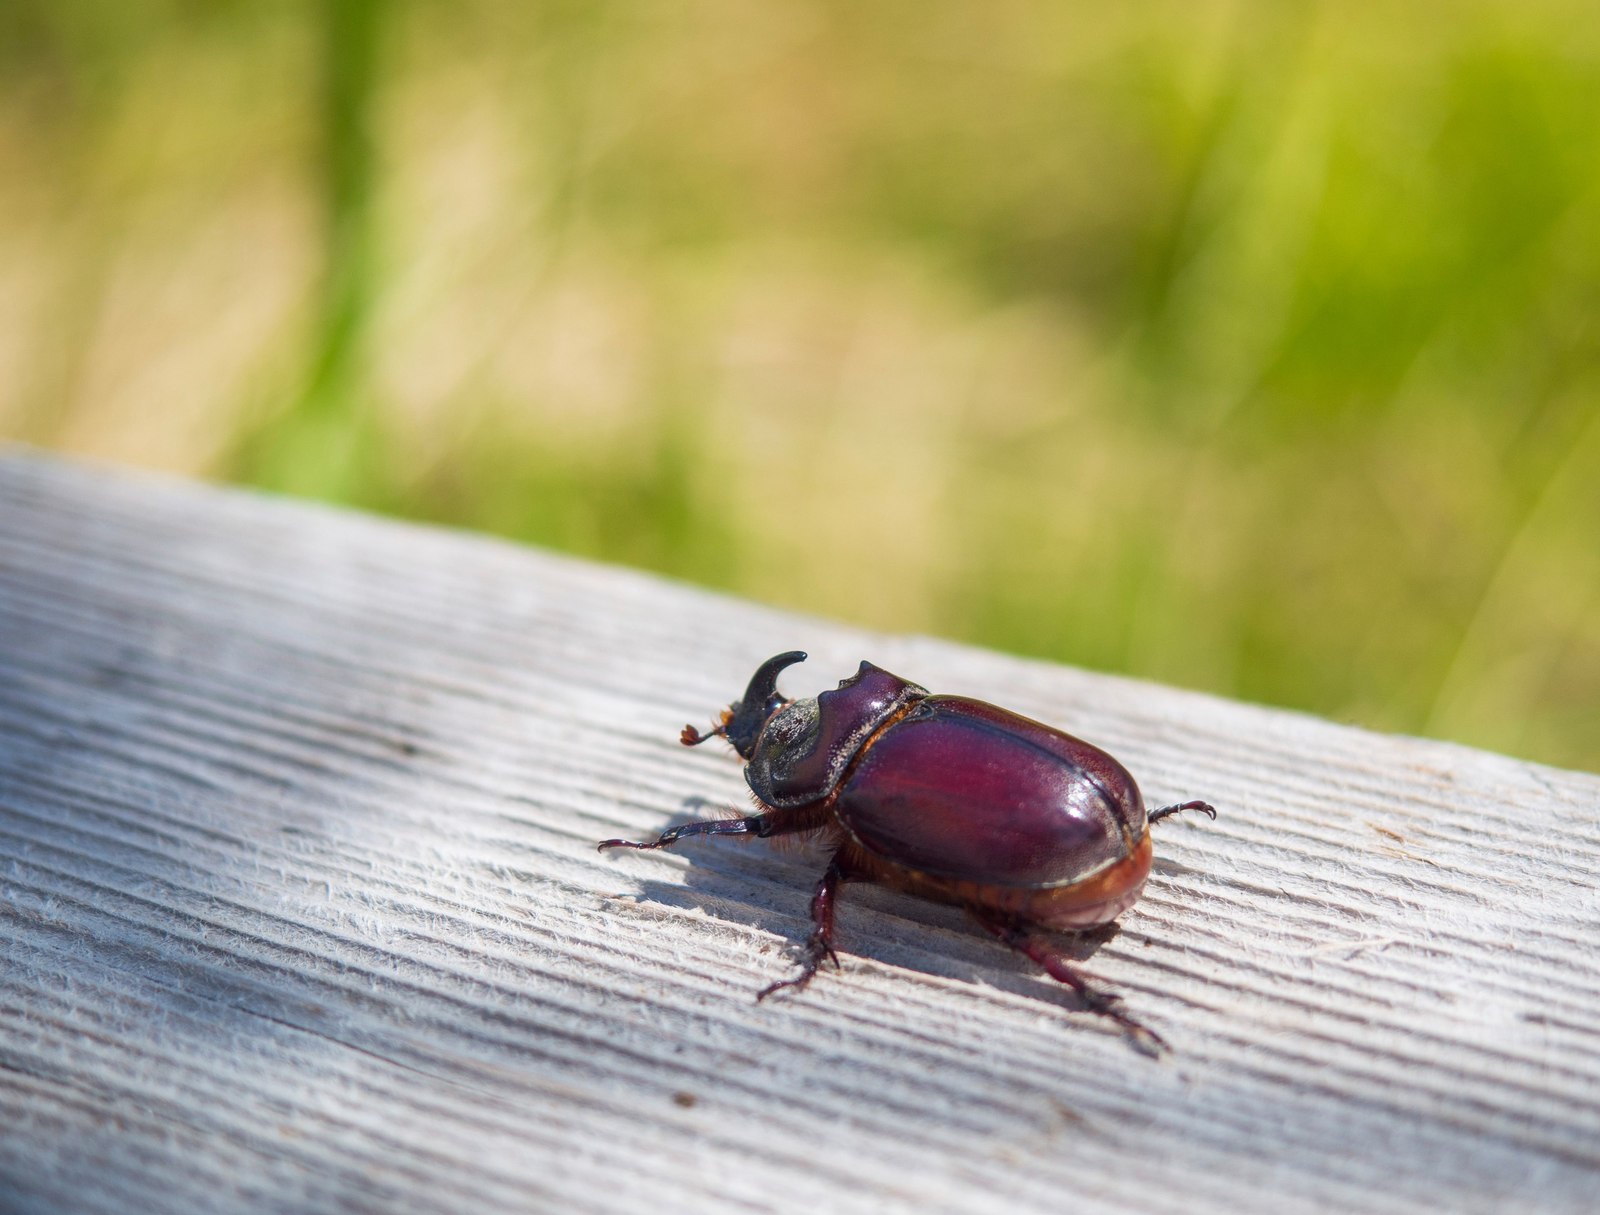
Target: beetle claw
<point>1109,1005</point>
<point>1145,1040</point>
<point>749,825</point>
<point>818,951</point>
<point>798,982</point>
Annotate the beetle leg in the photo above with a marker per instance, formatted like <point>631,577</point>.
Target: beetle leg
<point>769,823</point>
<point>1167,811</point>
<point>1029,940</point>
<point>819,945</point>
<point>753,824</point>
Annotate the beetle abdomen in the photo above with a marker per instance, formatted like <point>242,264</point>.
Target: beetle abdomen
<point>965,791</point>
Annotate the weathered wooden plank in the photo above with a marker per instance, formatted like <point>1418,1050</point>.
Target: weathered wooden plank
<point>302,912</point>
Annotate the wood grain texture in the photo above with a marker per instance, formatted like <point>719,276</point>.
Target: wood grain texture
<point>302,912</point>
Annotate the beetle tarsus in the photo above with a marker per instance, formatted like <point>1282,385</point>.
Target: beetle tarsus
<point>818,951</point>
<point>1168,811</point>
<point>749,825</point>
<point>815,954</point>
<point>1030,941</point>
<point>819,945</point>
<point>1106,1004</point>
<point>1145,1040</point>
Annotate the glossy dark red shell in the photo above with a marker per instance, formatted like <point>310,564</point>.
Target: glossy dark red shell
<point>964,790</point>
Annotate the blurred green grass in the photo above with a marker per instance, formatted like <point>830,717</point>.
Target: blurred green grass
<point>1250,347</point>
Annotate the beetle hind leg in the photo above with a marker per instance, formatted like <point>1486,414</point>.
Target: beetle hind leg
<point>1156,816</point>
<point>1032,942</point>
<point>819,945</point>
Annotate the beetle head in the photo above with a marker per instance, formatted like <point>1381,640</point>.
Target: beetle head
<point>803,749</point>
<point>745,717</point>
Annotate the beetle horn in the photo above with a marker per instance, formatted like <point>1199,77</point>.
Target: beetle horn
<point>760,701</point>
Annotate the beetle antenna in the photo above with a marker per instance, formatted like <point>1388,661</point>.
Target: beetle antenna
<point>691,737</point>
<point>760,701</point>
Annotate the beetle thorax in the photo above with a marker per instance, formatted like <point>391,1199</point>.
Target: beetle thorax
<point>806,746</point>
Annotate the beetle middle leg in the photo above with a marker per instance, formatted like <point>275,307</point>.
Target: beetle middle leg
<point>819,945</point>
<point>1035,944</point>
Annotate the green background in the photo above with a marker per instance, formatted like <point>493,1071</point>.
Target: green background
<point>1247,347</point>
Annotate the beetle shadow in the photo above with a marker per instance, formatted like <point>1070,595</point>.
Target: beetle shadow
<point>767,885</point>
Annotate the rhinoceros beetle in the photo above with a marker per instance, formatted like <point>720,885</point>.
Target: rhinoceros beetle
<point>953,799</point>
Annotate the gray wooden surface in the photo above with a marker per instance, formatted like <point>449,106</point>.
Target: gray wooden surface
<point>301,911</point>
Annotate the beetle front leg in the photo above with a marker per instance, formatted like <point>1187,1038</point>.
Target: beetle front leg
<point>753,824</point>
<point>766,825</point>
<point>819,945</point>
<point>1031,941</point>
